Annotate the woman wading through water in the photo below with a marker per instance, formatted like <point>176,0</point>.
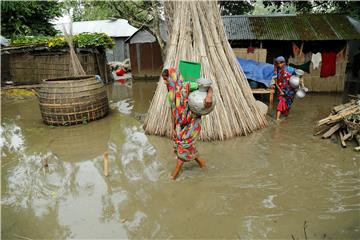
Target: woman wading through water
<point>285,92</point>
<point>186,124</point>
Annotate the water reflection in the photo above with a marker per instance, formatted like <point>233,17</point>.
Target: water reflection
<point>138,156</point>
<point>123,106</point>
<point>132,183</point>
<point>345,189</point>
<point>11,139</point>
<point>262,186</point>
<point>31,190</point>
<point>79,143</point>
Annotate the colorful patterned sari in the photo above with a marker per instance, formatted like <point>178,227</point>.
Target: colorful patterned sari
<point>282,79</point>
<point>187,123</point>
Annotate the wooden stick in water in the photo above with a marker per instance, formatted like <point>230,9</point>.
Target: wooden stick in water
<point>46,162</point>
<point>343,144</point>
<point>106,164</point>
<point>357,137</point>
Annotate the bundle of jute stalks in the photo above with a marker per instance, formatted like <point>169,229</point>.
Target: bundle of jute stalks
<point>197,34</point>
<point>344,121</point>
<point>76,68</point>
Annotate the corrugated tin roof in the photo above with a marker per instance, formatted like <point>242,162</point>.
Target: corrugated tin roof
<point>355,23</point>
<point>143,36</point>
<point>290,27</point>
<point>113,28</point>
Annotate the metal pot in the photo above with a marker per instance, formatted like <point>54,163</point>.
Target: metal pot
<point>197,98</point>
<point>299,72</point>
<point>294,81</point>
<point>300,93</point>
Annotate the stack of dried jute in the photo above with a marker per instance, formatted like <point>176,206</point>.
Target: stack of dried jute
<point>196,33</point>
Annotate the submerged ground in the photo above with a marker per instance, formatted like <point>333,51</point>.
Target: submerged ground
<point>279,183</point>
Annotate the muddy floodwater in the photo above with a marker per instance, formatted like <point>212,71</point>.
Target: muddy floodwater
<point>278,183</point>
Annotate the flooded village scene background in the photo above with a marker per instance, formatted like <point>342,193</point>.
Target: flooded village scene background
<point>91,97</point>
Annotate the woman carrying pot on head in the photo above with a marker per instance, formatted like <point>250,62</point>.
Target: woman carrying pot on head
<point>285,92</point>
<point>186,123</point>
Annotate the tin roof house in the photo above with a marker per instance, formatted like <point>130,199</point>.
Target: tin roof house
<point>317,43</point>
<point>263,38</point>
<point>145,53</point>
<point>118,29</point>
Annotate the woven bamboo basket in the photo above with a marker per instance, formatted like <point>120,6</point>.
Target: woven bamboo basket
<point>72,100</point>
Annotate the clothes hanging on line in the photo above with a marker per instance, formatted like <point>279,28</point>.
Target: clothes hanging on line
<point>250,50</point>
<point>305,67</point>
<point>308,57</point>
<point>296,50</point>
<point>341,55</point>
<point>328,66</point>
<point>316,60</point>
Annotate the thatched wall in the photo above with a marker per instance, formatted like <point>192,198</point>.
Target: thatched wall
<point>32,65</point>
<point>315,83</point>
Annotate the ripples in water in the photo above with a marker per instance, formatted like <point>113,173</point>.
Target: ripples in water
<point>123,106</point>
<point>138,156</point>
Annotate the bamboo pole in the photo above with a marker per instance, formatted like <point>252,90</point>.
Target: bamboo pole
<point>106,164</point>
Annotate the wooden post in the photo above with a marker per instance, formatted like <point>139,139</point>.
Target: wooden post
<point>106,164</point>
<point>262,91</point>
<point>46,162</point>
<point>271,97</point>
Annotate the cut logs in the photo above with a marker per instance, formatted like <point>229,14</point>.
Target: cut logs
<point>344,121</point>
<point>197,34</point>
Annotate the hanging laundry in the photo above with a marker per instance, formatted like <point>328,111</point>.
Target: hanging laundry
<point>305,67</point>
<point>298,53</point>
<point>251,50</point>
<point>328,66</point>
<point>296,50</point>
<point>340,55</point>
<point>308,56</point>
<point>316,60</point>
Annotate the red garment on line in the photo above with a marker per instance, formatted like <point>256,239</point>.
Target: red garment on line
<point>328,64</point>
<point>251,50</point>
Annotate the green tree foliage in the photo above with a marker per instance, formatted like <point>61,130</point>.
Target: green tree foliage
<point>235,7</point>
<point>138,11</point>
<point>145,14</point>
<point>81,10</point>
<point>267,8</point>
<point>347,7</point>
<point>29,17</point>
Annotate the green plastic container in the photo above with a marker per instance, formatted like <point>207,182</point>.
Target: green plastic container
<point>190,70</point>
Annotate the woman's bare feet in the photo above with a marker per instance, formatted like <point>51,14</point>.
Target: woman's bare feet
<point>200,161</point>
<point>177,170</point>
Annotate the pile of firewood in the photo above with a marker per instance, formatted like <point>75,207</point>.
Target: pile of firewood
<point>344,121</point>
